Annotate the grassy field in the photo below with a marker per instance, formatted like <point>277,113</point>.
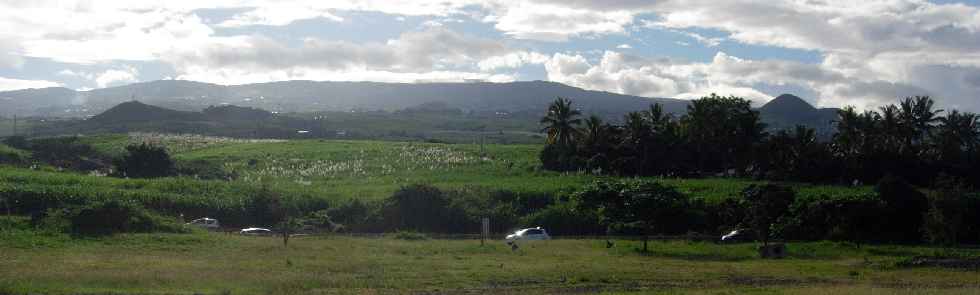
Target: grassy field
<point>209,263</point>
<point>339,169</point>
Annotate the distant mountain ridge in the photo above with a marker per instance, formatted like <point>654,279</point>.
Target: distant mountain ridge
<point>523,99</point>
<point>308,96</point>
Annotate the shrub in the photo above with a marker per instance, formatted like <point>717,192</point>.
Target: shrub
<point>765,205</point>
<point>904,208</point>
<point>419,208</point>
<point>145,161</point>
<point>565,219</point>
<point>410,236</point>
<point>17,142</point>
<point>947,209</point>
<point>202,169</point>
<point>110,217</point>
<point>853,218</point>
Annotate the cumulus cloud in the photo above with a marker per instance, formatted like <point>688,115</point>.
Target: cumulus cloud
<point>14,84</point>
<point>110,77</point>
<point>725,75</point>
<point>9,57</point>
<point>434,49</point>
<point>116,77</point>
<point>512,60</point>
<point>278,15</point>
<point>435,54</point>
<point>549,22</point>
<point>872,51</point>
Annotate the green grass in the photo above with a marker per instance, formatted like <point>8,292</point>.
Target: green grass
<point>7,150</point>
<point>222,264</point>
<point>334,170</point>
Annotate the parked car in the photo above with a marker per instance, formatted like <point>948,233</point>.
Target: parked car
<point>255,231</point>
<point>529,234</point>
<point>205,223</point>
<point>738,235</point>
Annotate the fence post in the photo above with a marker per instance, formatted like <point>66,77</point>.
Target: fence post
<point>485,231</point>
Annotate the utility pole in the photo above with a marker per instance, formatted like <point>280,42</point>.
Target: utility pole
<point>15,125</point>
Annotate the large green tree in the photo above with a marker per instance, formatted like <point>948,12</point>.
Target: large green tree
<point>723,132</point>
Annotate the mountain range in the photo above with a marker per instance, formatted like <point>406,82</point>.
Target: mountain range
<point>529,98</point>
<point>307,96</point>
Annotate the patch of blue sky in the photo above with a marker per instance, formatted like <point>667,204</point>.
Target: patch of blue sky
<point>84,74</point>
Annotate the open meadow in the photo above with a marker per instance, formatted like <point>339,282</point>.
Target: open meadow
<point>214,263</point>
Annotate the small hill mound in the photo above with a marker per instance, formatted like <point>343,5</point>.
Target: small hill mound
<point>787,110</point>
<point>787,104</point>
<point>135,111</point>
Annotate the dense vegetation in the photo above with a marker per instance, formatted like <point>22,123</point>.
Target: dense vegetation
<point>724,135</point>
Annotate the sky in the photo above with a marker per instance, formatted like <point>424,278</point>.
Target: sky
<point>831,53</point>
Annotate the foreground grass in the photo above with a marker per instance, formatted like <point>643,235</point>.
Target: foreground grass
<point>229,264</point>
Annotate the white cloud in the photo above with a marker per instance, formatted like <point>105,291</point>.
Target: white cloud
<point>15,84</point>
<point>111,77</point>
<point>871,51</point>
<point>116,77</point>
<point>432,55</point>
<point>9,55</point>
<point>512,60</point>
<point>624,46</point>
<point>236,76</point>
<point>724,75</point>
<point>434,49</point>
<point>278,15</point>
<point>548,22</point>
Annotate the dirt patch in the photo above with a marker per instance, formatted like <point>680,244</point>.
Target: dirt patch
<point>761,281</point>
<point>944,262</point>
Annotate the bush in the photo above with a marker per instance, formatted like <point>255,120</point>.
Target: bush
<point>904,208</point>
<point>145,161</point>
<point>202,169</point>
<point>947,209</point>
<point>766,204</point>
<point>642,205</point>
<point>110,217</point>
<point>565,219</point>
<point>854,218</point>
<point>418,208</point>
<point>410,236</point>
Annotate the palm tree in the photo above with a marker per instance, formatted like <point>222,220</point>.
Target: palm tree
<point>957,133</point>
<point>918,118</point>
<point>595,143</point>
<point>636,134</point>
<point>594,131</point>
<point>560,122</point>
<point>891,128</point>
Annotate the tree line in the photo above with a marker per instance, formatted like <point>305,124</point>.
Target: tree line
<point>720,135</point>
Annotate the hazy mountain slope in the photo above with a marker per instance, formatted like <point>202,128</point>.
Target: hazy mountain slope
<point>305,96</point>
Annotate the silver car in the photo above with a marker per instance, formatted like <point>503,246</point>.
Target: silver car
<point>255,231</point>
<point>529,234</point>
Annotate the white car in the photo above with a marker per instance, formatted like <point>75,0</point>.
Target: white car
<point>255,231</point>
<point>206,223</point>
<point>529,234</point>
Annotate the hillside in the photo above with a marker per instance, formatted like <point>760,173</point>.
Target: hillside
<point>135,111</point>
